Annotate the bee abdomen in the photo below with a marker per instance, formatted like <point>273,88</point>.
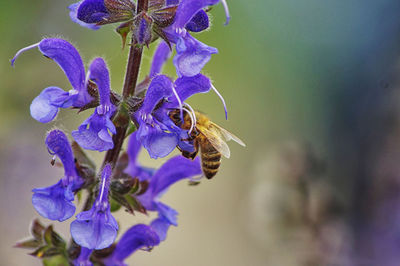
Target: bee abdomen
<point>210,163</point>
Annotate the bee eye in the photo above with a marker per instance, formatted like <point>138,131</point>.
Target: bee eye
<point>177,117</point>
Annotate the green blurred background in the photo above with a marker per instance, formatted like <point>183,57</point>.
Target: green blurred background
<point>311,88</point>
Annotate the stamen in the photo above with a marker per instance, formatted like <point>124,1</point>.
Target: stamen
<point>228,17</point>
<point>197,178</point>
<point>103,185</point>
<point>53,160</point>
<point>21,51</point>
<point>179,102</point>
<point>222,99</point>
<point>87,79</point>
<point>194,120</point>
<point>191,120</point>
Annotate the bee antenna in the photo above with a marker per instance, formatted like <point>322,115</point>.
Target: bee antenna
<point>179,102</point>
<point>222,99</point>
<point>194,120</point>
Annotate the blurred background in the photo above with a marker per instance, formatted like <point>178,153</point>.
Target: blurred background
<point>312,88</point>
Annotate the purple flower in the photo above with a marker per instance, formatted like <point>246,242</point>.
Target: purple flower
<point>93,13</point>
<point>84,257</point>
<point>44,107</point>
<point>73,13</point>
<point>94,134</point>
<point>175,169</point>
<point>161,55</point>
<point>134,169</point>
<point>137,237</point>
<point>90,13</point>
<point>55,202</point>
<point>96,228</point>
<point>157,132</point>
<point>191,54</point>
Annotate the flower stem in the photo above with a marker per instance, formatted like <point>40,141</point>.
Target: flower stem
<point>131,77</point>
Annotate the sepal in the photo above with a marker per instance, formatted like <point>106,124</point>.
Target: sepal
<point>46,243</point>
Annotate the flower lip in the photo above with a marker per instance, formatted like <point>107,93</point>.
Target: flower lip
<point>137,237</point>
<point>96,228</point>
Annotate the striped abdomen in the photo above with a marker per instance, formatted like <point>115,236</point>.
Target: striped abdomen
<point>210,159</point>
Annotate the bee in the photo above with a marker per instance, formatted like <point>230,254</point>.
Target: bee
<point>207,137</point>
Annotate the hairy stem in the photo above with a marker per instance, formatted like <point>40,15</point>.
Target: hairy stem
<point>132,70</point>
<point>131,77</point>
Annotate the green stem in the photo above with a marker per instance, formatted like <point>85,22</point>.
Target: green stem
<point>131,77</point>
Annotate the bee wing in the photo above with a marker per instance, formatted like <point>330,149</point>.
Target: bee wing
<point>228,135</point>
<point>213,135</point>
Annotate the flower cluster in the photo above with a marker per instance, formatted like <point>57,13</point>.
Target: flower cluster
<point>156,117</point>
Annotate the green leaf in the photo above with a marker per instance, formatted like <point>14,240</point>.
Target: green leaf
<point>81,155</point>
<point>131,128</point>
<point>53,239</point>
<point>122,201</point>
<point>30,243</point>
<point>114,206</point>
<point>123,30</point>
<point>37,229</point>
<point>135,204</point>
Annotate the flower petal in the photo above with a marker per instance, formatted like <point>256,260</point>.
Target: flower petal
<point>171,2</point>
<point>199,22</point>
<point>58,144</point>
<point>74,17</point>
<point>67,57</point>
<point>157,142</point>
<point>52,203</point>
<point>160,87</point>
<point>188,9</point>
<point>93,234</point>
<point>161,226</point>
<point>161,55</point>
<point>84,257</point>
<point>44,107</point>
<point>137,237</point>
<point>133,168</point>
<point>93,133</point>
<point>172,171</point>
<point>188,86</point>
<point>100,75</point>
<point>92,11</point>
<point>167,213</point>
<point>192,55</point>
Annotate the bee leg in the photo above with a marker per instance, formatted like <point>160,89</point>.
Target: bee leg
<point>191,155</point>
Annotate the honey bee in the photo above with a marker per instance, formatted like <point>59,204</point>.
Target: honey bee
<point>207,137</point>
